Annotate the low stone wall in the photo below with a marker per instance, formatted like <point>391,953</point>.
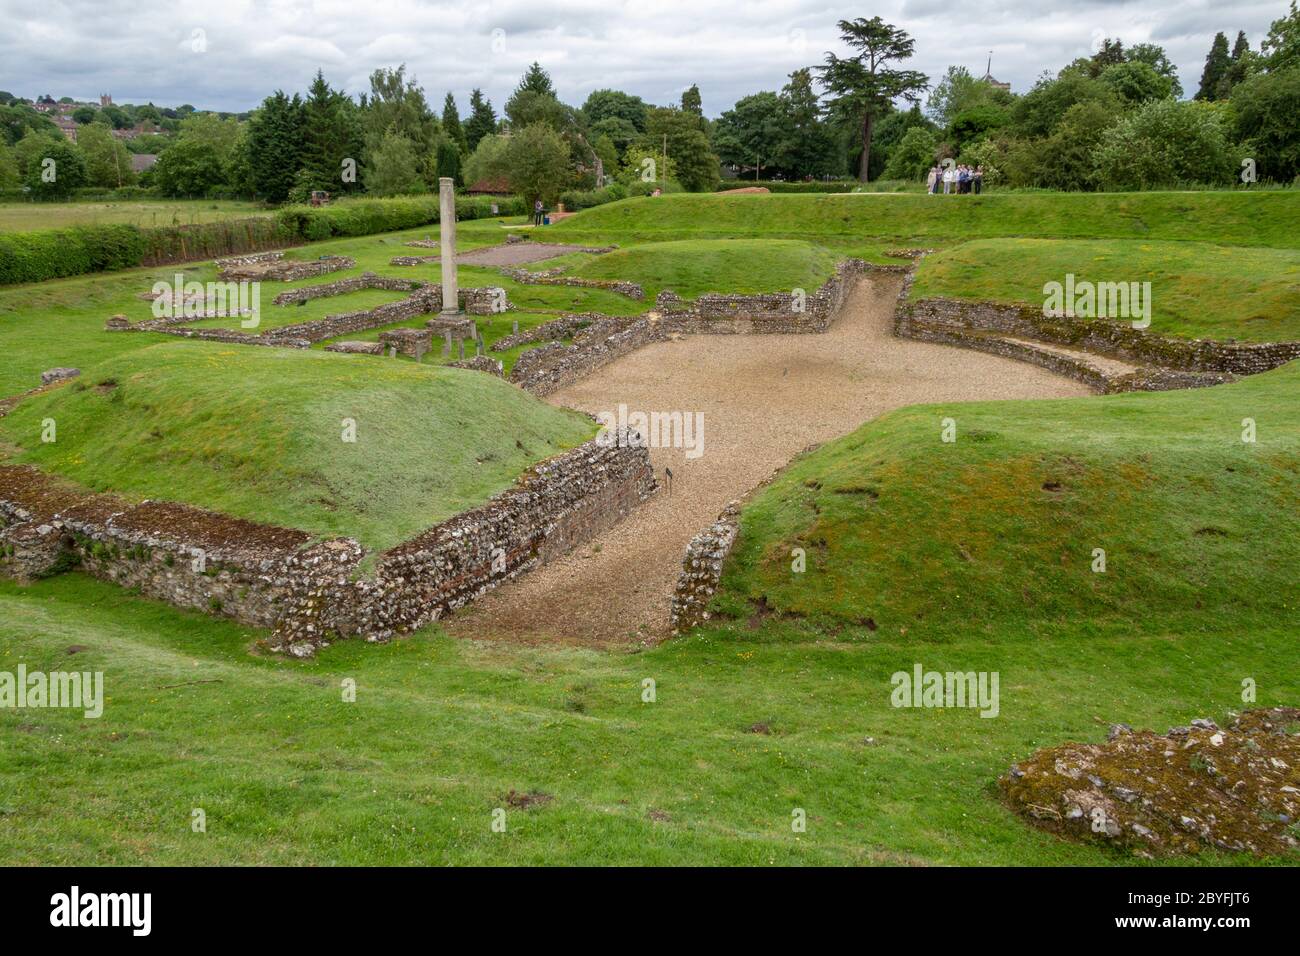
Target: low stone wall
<point>553,331</point>
<point>356,348</point>
<point>765,313</point>
<point>184,556</point>
<point>931,316</point>
<point>556,277</point>
<point>482,363</point>
<point>273,266</point>
<point>702,569</point>
<point>367,280</point>
<point>412,260</point>
<point>309,591</point>
<point>555,365</point>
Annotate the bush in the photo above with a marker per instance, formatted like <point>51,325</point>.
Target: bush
<point>1167,143</point>
<point>576,199</point>
<point>56,253</point>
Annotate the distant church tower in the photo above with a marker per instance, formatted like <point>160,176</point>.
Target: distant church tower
<point>105,100</point>
<point>988,76</point>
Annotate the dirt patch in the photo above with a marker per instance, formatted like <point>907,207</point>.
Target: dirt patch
<point>526,801</point>
<point>515,253</point>
<point>765,398</point>
<point>1194,788</point>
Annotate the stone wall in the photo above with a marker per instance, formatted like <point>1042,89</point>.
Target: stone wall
<point>944,316</point>
<point>555,365</point>
<point>556,277</point>
<point>702,569</point>
<point>273,266</point>
<point>310,591</point>
<point>772,312</point>
<point>367,280</point>
<point>553,331</point>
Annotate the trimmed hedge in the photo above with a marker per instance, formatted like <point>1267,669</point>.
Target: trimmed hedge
<point>58,253</point>
<point>576,199</point>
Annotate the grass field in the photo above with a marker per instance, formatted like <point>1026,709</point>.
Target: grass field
<point>258,433</point>
<point>1198,289</point>
<point>21,217</point>
<point>974,555</point>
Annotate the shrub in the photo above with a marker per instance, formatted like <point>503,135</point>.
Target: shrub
<point>781,186</point>
<point>576,199</point>
<point>1165,144</point>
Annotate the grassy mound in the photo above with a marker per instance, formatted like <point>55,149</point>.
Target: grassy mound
<point>1236,218</point>
<point>258,433</point>
<point>998,530</point>
<point>1198,290</point>
<point>692,267</point>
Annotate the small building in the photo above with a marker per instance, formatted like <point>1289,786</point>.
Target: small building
<point>490,186</point>
<point>142,161</point>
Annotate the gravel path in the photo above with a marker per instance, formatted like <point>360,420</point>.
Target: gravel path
<point>515,253</point>
<point>764,398</point>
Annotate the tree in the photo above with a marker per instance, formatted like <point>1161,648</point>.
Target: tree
<point>188,168</point>
<point>808,149</point>
<point>8,168</point>
<point>976,123</point>
<point>536,80</point>
<point>862,86</point>
<point>331,137</point>
<point>396,104</point>
<point>17,121</point>
<point>447,160</point>
<point>56,169</point>
<point>1039,111</point>
<point>394,167</point>
<point>527,107</point>
<point>602,105</point>
<point>108,163</point>
<point>1264,107</point>
<point>1216,69</point>
<point>1167,143</point>
<point>1110,53</point>
<point>913,156</point>
<point>488,161</point>
<point>959,91</point>
<point>1136,83</point>
<point>607,151</point>
<point>752,132</point>
<point>617,130</point>
<point>687,146</point>
<point>537,163</point>
<point>1154,56</point>
<point>1067,159</point>
<point>84,114</point>
<point>1281,48</point>
<point>451,127</point>
<point>275,146</point>
<point>482,120</point>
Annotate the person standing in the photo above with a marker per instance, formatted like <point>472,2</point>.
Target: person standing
<point>932,179</point>
<point>979,180</point>
<point>949,173</point>
<point>537,213</point>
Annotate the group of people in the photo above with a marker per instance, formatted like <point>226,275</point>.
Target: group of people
<point>955,179</point>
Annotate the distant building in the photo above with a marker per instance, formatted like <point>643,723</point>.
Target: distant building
<point>497,186</point>
<point>988,77</point>
<point>142,161</point>
<point>67,126</point>
<point>105,100</point>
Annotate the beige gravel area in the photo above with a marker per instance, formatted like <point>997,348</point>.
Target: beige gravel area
<point>764,398</point>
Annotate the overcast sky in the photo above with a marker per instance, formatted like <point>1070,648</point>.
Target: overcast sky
<point>228,55</point>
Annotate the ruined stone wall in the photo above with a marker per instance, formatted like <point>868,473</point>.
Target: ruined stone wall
<point>702,569</point>
<point>556,277</point>
<point>939,315</point>
<point>367,280</point>
<point>185,556</point>
<point>273,266</point>
<point>555,365</point>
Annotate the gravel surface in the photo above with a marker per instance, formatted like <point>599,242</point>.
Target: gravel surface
<point>765,398</point>
<point>515,253</point>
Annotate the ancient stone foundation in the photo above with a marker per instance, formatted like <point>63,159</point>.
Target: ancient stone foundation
<point>311,591</point>
<point>702,570</point>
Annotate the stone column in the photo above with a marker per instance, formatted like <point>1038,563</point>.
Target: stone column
<point>447,222</point>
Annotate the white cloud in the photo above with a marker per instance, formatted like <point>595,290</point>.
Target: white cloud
<point>140,50</point>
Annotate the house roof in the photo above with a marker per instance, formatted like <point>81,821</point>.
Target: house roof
<point>493,185</point>
<point>142,161</point>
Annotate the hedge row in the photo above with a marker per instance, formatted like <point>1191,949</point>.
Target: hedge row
<point>57,253</point>
<point>780,186</point>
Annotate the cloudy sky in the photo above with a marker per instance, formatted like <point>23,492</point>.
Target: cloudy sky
<point>228,55</point>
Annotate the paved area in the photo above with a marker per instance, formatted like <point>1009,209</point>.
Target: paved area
<point>765,398</point>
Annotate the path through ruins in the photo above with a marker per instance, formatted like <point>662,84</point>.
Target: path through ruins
<point>764,398</point>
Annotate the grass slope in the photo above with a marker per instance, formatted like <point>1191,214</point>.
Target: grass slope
<point>997,530</point>
<point>1198,290</point>
<point>258,433</point>
<point>1233,218</point>
<point>692,267</point>
<point>443,729</point>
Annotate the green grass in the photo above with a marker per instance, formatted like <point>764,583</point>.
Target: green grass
<point>20,217</point>
<point>1232,218</point>
<point>1198,290</point>
<point>692,267</point>
<point>258,433</point>
<point>441,730</point>
<point>997,529</point>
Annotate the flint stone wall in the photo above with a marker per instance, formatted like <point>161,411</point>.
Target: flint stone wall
<point>933,316</point>
<point>367,280</point>
<point>702,569</point>
<point>273,266</point>
<point>556,277</point>
<point>310,591</point>
<point>555,365</point>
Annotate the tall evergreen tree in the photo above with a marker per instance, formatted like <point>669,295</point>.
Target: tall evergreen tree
<point>481,122</point>
<point>536,80</point>
<point>1239,66</point>
<point>863,87</point>
<point>275,146</point>
<point>331,135</point>
<point>1217,63</point>
<point>451,127</point>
